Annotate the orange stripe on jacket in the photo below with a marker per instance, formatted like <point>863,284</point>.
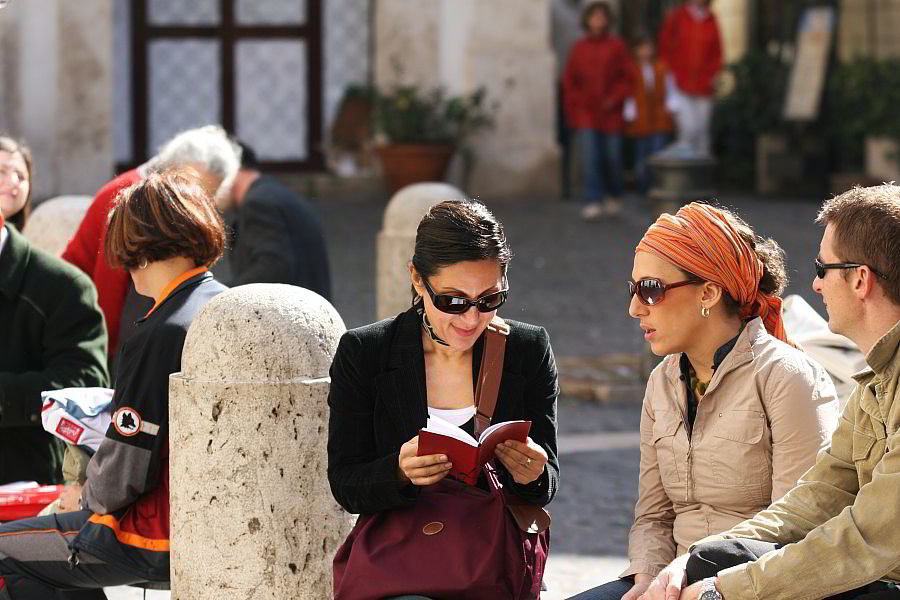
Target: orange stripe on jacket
<point>701,240</point>
<point>174,284</point>
<point>126,537</point>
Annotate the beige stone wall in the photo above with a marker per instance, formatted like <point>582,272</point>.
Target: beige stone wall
<point>56,90</point>
<point>503,45</point>
<point>734,23</point>
<point>869,28</point>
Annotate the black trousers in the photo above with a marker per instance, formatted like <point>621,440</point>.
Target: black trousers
<point>35,565</point>
<point>708,559</point>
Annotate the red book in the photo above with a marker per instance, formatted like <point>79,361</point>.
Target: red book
<point>466,454</point>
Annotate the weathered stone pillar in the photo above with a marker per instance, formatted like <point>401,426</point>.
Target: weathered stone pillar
<point>395,242</point>
<point>252,512</point>
<point>54,222</point>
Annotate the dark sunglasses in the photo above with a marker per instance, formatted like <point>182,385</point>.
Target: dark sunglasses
<point>653,291</point>
<point>455,305</point>
<point>821,268</point>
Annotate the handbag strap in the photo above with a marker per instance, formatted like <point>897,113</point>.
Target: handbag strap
<point>490,373</point>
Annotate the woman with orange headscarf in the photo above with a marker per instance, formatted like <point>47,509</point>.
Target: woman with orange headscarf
<point>735,413</point>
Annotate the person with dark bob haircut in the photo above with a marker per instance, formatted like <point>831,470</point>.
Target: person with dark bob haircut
<point>389,377</point>
<point>166,231</point>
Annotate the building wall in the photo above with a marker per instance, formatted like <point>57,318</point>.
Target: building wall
<point>57,90</point>
<point>503,45</point>
<point>869,28</point>
<point>734,23</point>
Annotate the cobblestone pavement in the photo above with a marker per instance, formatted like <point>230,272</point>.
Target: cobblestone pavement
<point>569,277</point>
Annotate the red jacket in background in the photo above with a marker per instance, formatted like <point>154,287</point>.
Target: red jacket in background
<point>85,251</point>
<point>692,49</point>
<point>596,81</point>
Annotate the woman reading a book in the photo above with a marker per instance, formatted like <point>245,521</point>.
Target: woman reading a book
<point>735,413</point>
<point>389,378</point>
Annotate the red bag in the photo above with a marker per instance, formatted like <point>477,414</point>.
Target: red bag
<point>457,540</point>
<point>26,502</point>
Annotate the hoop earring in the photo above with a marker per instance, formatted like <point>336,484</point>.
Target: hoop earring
<point>704,311</point>
<point>143,264</point>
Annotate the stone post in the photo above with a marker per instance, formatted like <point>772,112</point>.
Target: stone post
<point>53,223</point>
<point>395,243</point>
<point>252,513</point>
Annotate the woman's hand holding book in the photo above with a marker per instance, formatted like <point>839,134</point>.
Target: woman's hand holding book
<point>525,462</point>
<point>421,470</point>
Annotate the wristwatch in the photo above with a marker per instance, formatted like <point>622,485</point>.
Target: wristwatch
<point>708,590</point>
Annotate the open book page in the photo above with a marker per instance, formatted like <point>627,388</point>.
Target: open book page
<point>499,433</point>
<point>442,427</point>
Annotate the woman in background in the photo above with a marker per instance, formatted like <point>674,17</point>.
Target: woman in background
<point>52,334</point>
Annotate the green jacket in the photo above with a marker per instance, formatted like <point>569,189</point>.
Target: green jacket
<point>841,522</point>
<point>52,336</point>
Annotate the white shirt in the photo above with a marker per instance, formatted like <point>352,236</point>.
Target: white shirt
<point>455,416</point>
<point>3,235</point>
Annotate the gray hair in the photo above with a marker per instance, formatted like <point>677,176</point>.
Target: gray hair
<point>208,147</point>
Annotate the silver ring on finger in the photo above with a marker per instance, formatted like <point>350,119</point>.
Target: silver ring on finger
<point>528,461</point>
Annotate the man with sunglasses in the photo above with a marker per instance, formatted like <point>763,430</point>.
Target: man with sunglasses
<point>835,534</point>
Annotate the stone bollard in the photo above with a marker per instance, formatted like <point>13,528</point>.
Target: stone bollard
<point>252,513</point>
<point>396,241</point>
<point>677,181</point>
<point>54,222</point>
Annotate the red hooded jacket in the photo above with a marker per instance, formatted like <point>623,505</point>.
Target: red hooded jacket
<point>85,251</point>
<point>596,81</point>
<point>692,49</point>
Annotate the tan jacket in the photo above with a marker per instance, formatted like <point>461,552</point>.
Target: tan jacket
<point>768,410</point>
<point>841,521</point>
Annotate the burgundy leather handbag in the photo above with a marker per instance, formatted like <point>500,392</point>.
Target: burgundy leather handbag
<point>457,540</point>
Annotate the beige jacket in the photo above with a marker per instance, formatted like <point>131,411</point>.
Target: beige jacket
<point>841,521</point>
<point>768,410</point>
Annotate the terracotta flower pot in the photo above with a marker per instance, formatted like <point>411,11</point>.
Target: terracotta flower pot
<point>403,164</point>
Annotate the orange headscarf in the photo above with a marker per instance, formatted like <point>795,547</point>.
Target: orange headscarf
<point>700,239</point>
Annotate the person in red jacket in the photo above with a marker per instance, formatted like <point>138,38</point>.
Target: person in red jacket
<point>209,150</point>
<point>648,121</point>
<point>690,44</point>
<point>596,82</point>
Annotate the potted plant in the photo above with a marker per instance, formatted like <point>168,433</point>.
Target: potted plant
<point>417,131</point>
<point>865,93</point>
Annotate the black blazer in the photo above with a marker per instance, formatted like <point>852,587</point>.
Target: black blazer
<point>378,403</point>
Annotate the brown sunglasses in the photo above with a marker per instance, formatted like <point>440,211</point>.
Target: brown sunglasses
<point>652,291</point>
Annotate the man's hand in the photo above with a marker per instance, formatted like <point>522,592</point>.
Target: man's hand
<point>70,498</point>
<point>692,591</point>
<point>668,584</point>
<point>641,583</point>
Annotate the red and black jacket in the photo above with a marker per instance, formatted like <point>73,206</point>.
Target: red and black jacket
<point>127,485</point>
